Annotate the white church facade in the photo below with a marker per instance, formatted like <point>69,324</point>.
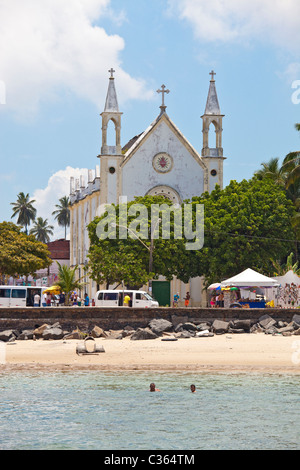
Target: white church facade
<point>160,161</point>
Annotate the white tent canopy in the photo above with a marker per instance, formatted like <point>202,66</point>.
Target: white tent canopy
<point>250,278</point>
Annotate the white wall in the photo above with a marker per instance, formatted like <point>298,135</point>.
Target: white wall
<point>139,176</point>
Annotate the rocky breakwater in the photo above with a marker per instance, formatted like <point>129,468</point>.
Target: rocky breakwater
<point>161,328</point>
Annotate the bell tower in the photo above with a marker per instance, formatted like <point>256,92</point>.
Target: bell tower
<point>213,154</point>
<point>111,156</point>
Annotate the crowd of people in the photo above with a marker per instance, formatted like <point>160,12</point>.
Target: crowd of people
<point>217,300</point>
<point>56,300</point>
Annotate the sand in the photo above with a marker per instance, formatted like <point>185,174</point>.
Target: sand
<point>220,353</point>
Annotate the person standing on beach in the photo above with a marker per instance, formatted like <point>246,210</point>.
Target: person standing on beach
<point>152,388</point>
<point>187,299</point>
<point>176,299</point>
<point>36,301</point>
<point>44,302</point>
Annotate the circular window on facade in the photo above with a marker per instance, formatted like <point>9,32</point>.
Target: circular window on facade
<point>162,162</point>
<point>112,170</point>
<point>213,172</point>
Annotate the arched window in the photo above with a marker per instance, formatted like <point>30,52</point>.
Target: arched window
<point>111,133</point>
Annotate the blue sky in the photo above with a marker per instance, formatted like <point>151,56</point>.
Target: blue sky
<point>54,61</point>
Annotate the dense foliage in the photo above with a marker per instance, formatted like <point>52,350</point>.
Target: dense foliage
<point>247,224</point>
<point>20,254</point>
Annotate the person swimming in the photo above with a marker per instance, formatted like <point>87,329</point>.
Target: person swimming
<point>152,388</point>
<point>193,388</point>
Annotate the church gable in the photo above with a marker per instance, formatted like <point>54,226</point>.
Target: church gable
<point>162,157</point>
<point>155,128</point>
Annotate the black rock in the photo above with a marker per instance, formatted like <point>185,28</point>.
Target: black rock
<point>53,333</point>
<point>296,320</point>
<point>241,325</point>
<point>159,325</point>
<point>219,327</point>
<point>26,334</point>
<point>266,321</point>
<point>189,326</point>
<point>7,335</point>
<point>185,334</point>
<point>236,330</point>
<point>143,333</point>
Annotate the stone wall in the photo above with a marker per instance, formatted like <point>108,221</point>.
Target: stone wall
<point>117,318</point>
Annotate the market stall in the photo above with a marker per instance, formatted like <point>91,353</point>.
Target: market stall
<point>251,285</point>
<point>288,294</point>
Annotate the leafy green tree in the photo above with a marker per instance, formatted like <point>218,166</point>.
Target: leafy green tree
<point>288,176</point>
<point>109,265</point>
<point>41,230</point>
<point>62,213</point>
<point>128,259</point>
<point>246,225</point>
<point>67,280</point>
<point>24,209</point>
<point>21,254</point>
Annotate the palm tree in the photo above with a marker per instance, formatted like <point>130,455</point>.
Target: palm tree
<point>281,270</point>
<point>291,165</point>
<point>274,171</point>
<point>62,214</point>
<point>288,177</point>
<point>67,280</point>
<point>41,230</point>
<point>24,209</point>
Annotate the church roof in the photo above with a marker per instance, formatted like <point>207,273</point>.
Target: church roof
<point>137,141</point>
<point>130,143</point>
<point>111,103</point>
<point>212,104</point>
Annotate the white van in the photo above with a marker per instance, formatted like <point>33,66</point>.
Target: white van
<point>114,298</point>
<point>19,296</point>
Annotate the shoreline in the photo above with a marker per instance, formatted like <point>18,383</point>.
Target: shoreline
<point>228,353</point>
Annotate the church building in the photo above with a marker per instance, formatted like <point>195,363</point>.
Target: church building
<point>160,161</point>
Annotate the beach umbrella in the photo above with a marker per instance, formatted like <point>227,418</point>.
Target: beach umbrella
<point>215,286</point>
<point>52,290</point>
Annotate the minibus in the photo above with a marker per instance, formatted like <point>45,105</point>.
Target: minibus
<point>114,298</point>
<point>19,296</point>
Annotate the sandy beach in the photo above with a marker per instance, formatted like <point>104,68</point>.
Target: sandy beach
<point>228,352</point>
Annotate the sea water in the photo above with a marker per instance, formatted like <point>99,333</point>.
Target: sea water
<point>104,410</point>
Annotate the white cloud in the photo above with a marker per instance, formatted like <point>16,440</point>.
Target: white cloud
<point>292,72</point>
<point>58,186</point>
<point>277,21</point>
<point>52,46</point>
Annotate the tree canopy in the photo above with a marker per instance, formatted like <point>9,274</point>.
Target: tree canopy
<point>62,213</point>
<point>67,280</point>
<point>21,254</point>
<point>287,176</point>
<point>247,224</point>
<point>116,259</point>
<point>42,230</point>
<point>24,209</point>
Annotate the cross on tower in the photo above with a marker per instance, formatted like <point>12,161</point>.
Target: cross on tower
<point>163,91</point>
<point>212,73</point>
<point>111,71</point>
